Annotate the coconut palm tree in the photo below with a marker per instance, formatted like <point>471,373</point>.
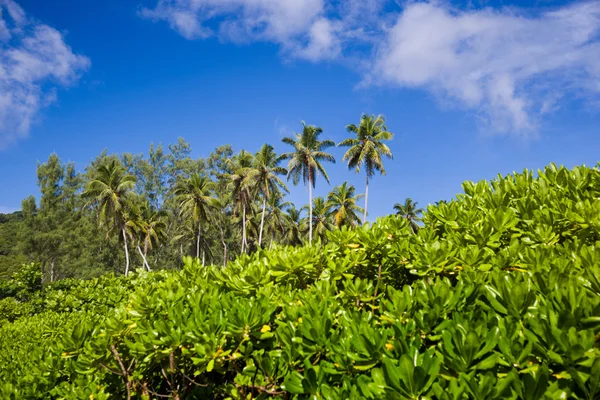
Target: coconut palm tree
<point>305,161</point>
<point>367,148</point>
<point>134,226</point>
<point>109,189</point>
<point>410,212</point>
<point>294,227</point>
<point>266,163</point>
<point>321,218</point>
<point>195,198</point>
<point>242,185</point>
<point>277,216</point>
<point>342,202</point>
<point>147,226</point>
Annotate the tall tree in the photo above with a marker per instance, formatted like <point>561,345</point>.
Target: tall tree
<point>194,195</point>
<point>148,227</point>
<point>320,218</point>
<point>410,212</point>
<point>220,168</point>
<point>277,217</point>
<point>306,161</point>
<point>51,216</point>
<point>109,188</point>
<point>367,148</point>
<point>342,201</point>
<point>269,184</point>
<point>242,182</point>
<point>13,237</point>
<point>179,163</point>
<point>293,227</point>
<point>150,173</point>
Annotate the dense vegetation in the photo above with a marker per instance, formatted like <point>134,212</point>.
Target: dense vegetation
<point>128,211</point>
<point>495,295</point>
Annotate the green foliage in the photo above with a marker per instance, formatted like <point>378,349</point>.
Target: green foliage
<point>496,296</point>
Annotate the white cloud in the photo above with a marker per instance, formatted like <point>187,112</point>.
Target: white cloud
<point>323,42</point>
<point>298,26</point>
<point>510,66</point>
<point>34,60</point>
<point>506,66</point>
<point>270,19</point>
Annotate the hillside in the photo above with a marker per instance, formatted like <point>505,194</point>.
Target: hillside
<point>10,259</point>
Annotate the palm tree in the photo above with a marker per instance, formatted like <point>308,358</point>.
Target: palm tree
<point>134,228</point>
<point>342,202</point>
<point>109,188</point>
<point>266,163</point>
<point>148,226</point>
<point>410,212</point>
<point>367,148</point>
<point>305,161</point>
<point>187,231</point>
<point>293,226</point>
<point>195,198</point>
<point>277,216</point>
<point>242,183</point>
<point>321,218</point>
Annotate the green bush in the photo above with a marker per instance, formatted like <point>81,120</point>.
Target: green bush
<point>497,296</point>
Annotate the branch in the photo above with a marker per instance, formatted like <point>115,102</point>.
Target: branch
<point>262,389</point>
<point>124,373</point>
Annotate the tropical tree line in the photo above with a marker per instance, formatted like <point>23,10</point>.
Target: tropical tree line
<point>129,210</point>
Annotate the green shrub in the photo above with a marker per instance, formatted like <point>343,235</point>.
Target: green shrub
<point>497,296</point>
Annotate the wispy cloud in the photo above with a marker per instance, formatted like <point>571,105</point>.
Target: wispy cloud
<point>34,61</point>
<point>508,66</point>
<point>282,129</point>
<point>297,25</point>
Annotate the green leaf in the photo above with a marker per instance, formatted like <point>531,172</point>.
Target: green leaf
<point>293,383</point>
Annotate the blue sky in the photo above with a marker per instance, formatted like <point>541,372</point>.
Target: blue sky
<point>470,89</point>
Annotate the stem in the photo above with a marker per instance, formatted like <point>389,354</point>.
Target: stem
<point>243,227</point>
<point>310,219</point>
<point>198,242</point>
<point>378,280</point>
<point>262,220</point>
<point>143,258</point>
<point>174,390</point>
<point>224,245</point>
<point>126,251</point>
<point>366,200</point>
<point>124,373</point>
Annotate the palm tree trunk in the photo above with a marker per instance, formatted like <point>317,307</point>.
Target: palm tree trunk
<point>310,221</point>
<point>198,243</point>
<point>146,257</point>
<point>143,258</point>
<point>126,252</point>
<point>243,227</point>
<point>203,257</point>
<point>43,271</point>
<point>262,221</point>
<point>224,246</point>
<point>366,200</point>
